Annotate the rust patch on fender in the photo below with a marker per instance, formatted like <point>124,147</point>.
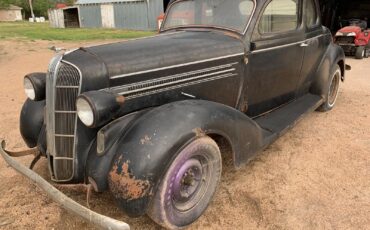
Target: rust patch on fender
<point>124,185</point>
<point>199,132</point>
<point>146,140</point>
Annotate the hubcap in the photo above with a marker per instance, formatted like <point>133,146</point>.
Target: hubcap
<point>334,87</point>
<point>190,184</point>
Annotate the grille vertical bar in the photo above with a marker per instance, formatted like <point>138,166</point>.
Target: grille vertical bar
<point>63,89</point>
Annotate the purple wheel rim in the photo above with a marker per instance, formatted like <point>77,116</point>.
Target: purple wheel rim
<point>190,183</point>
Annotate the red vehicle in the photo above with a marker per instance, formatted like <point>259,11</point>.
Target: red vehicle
<point>354,39</point>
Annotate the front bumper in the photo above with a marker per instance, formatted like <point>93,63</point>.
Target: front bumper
<point>65,202</point>
<point>348,48</point>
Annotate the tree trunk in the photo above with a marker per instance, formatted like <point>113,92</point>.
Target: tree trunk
<point>31,8</point>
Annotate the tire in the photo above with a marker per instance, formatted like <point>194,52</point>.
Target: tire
<point>188,186</point>
<point>332,91</point>
<point>360,52</point>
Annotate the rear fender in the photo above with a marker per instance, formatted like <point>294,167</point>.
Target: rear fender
<point>334,56</point>
<point>153,141</point>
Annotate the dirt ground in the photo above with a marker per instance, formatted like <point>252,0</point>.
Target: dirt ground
<point>317,176</point>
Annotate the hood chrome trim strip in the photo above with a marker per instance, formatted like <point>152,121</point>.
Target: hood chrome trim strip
<point>175,66</point>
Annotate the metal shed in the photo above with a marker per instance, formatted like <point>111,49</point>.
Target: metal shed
<point>67,17</point>
<point>124,14</point>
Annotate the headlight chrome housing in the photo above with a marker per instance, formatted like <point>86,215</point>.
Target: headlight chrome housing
<point>85,111</point>
<point>29,89</point>
<point>97,108</point>
<point>35,86</point>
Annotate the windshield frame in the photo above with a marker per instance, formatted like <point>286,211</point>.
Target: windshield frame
<point>162,29</point>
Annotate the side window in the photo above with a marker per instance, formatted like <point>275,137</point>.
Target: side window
<point>279,16</point>
<point>310,13</point>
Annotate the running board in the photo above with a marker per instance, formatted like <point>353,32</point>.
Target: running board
<point>278,122</point>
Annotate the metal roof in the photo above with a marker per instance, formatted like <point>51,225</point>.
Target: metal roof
<point>83,2</point>
<point>11,7</point>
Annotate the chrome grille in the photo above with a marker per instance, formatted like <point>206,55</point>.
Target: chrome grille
<point>63,88</point>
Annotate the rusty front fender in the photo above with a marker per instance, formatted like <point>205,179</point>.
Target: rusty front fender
<point>147,149</point>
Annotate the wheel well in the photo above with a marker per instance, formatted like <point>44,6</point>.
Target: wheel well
<point>225,148</point>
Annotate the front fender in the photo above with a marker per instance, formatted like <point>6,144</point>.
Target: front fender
<point>334,55</point>
<point>31,121</point>
<point>154,140</point>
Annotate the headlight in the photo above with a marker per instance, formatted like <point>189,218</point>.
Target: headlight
<point>352,34</point>
<point>35,86</point>
<point>339,34</point>
<point>85,111</point>
<point>97,108</point>
<point>29,89</point>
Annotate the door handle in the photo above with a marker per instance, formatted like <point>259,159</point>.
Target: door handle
<point>304,44</point>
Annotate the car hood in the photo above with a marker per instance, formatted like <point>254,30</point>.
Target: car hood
<point>117,63</point>
<point>350,29</point>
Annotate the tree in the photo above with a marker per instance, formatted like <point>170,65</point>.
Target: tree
<point>31,8</point>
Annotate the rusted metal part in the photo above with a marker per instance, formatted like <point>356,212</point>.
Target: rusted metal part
<point>5,221</point>
<point>35,160</point>
<point>65,202</point>
<point>199,132</point>
<point>146,140</point>
<point>120,99</point>
<point>125,186</point>
<point>78,187</point>
<point>23,153</point>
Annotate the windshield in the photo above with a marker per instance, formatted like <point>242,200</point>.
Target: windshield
<point>229,14</point>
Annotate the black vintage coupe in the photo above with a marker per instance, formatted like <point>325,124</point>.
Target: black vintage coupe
<point>143,118</point>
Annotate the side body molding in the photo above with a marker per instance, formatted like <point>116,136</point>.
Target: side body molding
<point>152,142</point>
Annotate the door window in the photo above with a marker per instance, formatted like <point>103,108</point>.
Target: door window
<point>279,16</point>
<point>310,14</point>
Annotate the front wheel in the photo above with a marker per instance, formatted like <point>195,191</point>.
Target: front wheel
<point>188,186</point>
<point>332,91</point>
<point>360,52</point>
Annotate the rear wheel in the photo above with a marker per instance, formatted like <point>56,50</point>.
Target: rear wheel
<point>360,52</point>
<point>188,186</point>
<point>332,91</point>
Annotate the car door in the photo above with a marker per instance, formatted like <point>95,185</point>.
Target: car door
<point>276,56</point>
<point>317,39</point>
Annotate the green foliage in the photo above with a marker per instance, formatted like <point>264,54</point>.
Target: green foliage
<point>70,2</point>
<point>40,7</point>
<point>42,31</point>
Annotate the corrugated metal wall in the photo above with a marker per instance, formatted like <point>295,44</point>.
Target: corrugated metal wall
<point>90,16</point>
<point>135,15</point>
<point>131,15</point>
<point>155,9</point>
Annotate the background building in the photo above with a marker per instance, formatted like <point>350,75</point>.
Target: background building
<point>125,14</point>
<point>11,13</point>
<point>122,14</point>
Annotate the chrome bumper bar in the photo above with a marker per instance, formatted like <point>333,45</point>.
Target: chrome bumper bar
<point>64,201</point>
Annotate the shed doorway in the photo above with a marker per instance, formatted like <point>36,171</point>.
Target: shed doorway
<point>71,18</point>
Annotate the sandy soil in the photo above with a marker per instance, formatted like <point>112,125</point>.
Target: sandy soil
<point>315,177</point>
